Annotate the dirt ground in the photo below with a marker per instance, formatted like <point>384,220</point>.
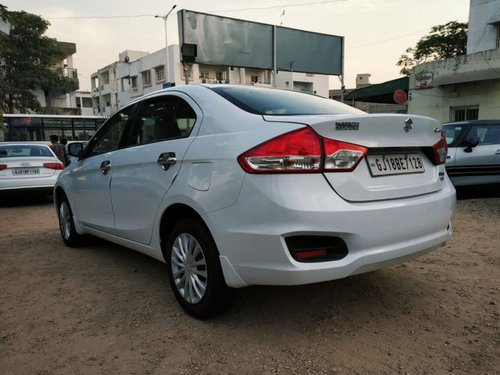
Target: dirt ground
<point>103,309</point>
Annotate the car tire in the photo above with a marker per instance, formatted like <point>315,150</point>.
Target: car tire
<point>195,272</point>
<point>66,225</point>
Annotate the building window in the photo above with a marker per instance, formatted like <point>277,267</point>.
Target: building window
<point>220,77</point>
<point>107,99</point>
<point>134,83</point>
<point>146,78</point>
<point>160,73</point>
<point>204,76</point>
<point>87,102</point>
<point>498,37</point>
<point>464,113</point>
<point>125,83</point>
<point>94,82</point>
<point>105,77</point>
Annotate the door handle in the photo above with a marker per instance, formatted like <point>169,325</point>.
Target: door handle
<point>105,167</point>
<point>166,160</point>
<point>497,152</point>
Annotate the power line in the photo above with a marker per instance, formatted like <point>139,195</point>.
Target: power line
<point>218,11</point>
<point>388,40</point>
<point>99,17</point>
<point>279,6</point>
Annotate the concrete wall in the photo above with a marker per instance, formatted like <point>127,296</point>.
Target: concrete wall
<point>313,83</point>
<point>482,35</point>
<point>437,100</point>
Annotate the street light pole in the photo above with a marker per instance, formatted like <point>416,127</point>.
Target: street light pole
<point>167,70</point>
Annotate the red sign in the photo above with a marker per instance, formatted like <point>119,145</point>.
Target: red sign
<point>399,96</point>
<point>423,80</point>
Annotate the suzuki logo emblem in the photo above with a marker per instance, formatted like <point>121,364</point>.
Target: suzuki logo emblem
<point>407,126</point>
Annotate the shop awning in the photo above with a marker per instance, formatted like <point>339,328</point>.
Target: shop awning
<point>379,93</point>
<point>479,75</point>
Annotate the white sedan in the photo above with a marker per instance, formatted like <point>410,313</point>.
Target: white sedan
<point>28,167</point>
<point>233,186</point>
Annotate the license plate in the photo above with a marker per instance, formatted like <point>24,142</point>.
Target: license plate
<point>391,164</point>
<point>25,171</point>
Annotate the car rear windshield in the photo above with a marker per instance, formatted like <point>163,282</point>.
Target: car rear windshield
<point>23,151</point>
<point>275,102</point>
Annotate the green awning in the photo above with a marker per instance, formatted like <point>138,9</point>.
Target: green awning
<point>379,93</point>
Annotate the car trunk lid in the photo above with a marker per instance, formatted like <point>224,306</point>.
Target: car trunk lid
<point>399,158</point>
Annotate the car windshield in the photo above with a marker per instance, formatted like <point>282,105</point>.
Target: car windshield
<point>281,102</point>
<point>24,150</point>
<point>452,132</point>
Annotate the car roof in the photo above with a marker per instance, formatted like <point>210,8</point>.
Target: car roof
<point>23,144</point>
<point>200,87</point>
<point>473,122</point>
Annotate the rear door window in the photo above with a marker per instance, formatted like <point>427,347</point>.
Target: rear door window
<point>162,118</point>
<point>486,135</point>
<point>110,136</point>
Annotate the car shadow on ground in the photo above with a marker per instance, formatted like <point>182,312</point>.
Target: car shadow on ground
<point>478,191</point>
<point>385,293</point>
<point>24,199</point>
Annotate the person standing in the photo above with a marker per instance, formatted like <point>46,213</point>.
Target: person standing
<point>59,149</point>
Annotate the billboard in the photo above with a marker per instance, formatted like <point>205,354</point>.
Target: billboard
<point>233,42</point>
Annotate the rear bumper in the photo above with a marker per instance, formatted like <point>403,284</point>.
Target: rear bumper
<point>41,183</point>
<point>377,234</point>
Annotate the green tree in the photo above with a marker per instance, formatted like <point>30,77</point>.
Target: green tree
<point>27,60</point>
<point>443,42</point>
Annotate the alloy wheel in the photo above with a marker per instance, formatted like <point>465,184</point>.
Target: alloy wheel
<point>65,220</point>
<point>189,268</point>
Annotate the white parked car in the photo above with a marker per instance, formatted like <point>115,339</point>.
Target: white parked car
<point>28,167</point>
<point>233,186</point>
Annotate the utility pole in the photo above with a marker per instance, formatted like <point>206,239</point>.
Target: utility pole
<point>165,17</point>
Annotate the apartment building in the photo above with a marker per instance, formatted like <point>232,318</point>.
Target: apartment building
<point>61,101</point>
<point>138,73</point>
<point>84,103</point>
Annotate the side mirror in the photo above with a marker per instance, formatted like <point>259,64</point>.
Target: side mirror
<point>470,143</point>
<point>75,149</point>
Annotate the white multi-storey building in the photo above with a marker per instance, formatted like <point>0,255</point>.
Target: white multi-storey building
<point>61,101</point>
<point>138,73</point>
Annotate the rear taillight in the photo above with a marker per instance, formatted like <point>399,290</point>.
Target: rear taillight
<point>301,151</point>
<point>440,150</point>
<point>56,166</point>
<point>342,156</point>
<point>3,166</point>
<point>296,152</point>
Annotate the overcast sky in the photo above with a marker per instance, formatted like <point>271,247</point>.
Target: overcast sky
<point>376,32</point>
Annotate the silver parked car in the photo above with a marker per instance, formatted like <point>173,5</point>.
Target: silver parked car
<point>473,152</point>
<point>28,167</point>
<point>233,186</point>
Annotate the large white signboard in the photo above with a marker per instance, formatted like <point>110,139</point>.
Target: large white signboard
<point>234,42</point>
